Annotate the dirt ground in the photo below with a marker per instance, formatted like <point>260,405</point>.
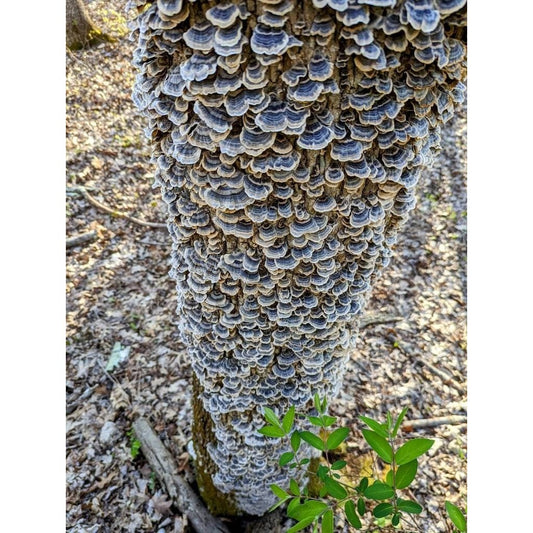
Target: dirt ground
<point>118,291</point>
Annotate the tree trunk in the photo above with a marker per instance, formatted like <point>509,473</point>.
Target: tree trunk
<point>289,137</point>
<point>81,31</point>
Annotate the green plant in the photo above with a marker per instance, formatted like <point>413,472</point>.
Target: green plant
<point>456,516</point>
<point>135,444</point>
<point>369,498</point>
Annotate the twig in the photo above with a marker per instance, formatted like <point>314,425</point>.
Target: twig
<point>446,378</point>
<point>177,488</point>
<point>81,239</point>
<point>119,214</point>
<point>378,319</point>
<point>411,425</point>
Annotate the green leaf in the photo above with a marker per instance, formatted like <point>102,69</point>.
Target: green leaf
<point>389,421</point>
<point>388,478</point>
<point>349,509</point>
<point>271,417</point>
<point>363,484</point>
<point>286,458</point>
<point>456,516</point>
<point>316,400</point>
<point>312,439</point>
<point>279,492</point>
<point>412,449</point>
<point>322,472</point>
<point>380,429</point>
<point>399,421</point>
<point>272,431</point>
<point>378,444</point>
<point>295,441</point>
<point>292,504</point>
<point>305,461</point>
<point>288,419</point>
<point>396,519</point>
<point>315,420</point>
<point>327,522</point>
<point>337,465</point>
<point>295,489</point>
<point>382,510</point>
<point>379,491</point>
<point>329,420</point>
<point>310,508</point>
<point>335,489</point>
<point>302,524</point>
<point>361,506</point>
<point>323,405</point>
<point>276,505</point>
<point>406,473</point>
<point>323,492</point>
<point>337,437</point>
<point>409,506</point>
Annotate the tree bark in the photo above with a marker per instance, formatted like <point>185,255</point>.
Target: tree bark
<point>289,137</point>
<point>81,31</point>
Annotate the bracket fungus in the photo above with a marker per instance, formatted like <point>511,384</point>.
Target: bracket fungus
<point>288,143</point>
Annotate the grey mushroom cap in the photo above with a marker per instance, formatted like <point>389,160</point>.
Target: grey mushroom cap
<point>421,17</point>
<point>225,14</point>
<point>354,15</point>
<point>269,41</point>
<point>198,67</point>
<point>316,136</point>
<point>320,67</point>
<point>170,7</point>
<point>200,37</point>
<point>338,5</point>
<point>447,7</point>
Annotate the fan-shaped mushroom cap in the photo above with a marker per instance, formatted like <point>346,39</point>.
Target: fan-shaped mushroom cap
<point>349,150</point>
<point>198,67</point>
<point>338,5</point>
<point>446,7</point>
<point>225,14</point>
<point>354,15</point>
<point>316,136</point>
<point>420,15</point>
<point>169,7</point>
<point>269,41</point>
<point>306,91</point>
<point>200,37</point>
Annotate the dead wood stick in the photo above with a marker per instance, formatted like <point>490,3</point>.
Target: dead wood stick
<point>378,318</point>
<point>81,239</point>
<point>410,425</point>
<point>119,214</point>
<point>177,488</point>
<point>446,378</point>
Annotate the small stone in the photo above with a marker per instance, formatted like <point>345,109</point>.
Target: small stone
<point>109,433</point>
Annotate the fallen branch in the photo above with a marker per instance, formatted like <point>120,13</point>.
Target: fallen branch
<point>118,214</point>
<point>378,319</point>
<point>177,488</point>
<point>446,378</point>
<point>411,425</point>
<point>81,239</point>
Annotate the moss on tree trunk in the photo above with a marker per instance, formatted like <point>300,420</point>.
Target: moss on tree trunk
<point>81,31</point>
<point>218,503</point>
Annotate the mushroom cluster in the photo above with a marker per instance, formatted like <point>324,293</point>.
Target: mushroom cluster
<point>288,138</point>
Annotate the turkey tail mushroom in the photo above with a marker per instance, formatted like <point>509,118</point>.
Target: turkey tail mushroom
<point>288,143</point>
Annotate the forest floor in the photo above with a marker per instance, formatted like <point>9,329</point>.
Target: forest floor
<point>118,291</point>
